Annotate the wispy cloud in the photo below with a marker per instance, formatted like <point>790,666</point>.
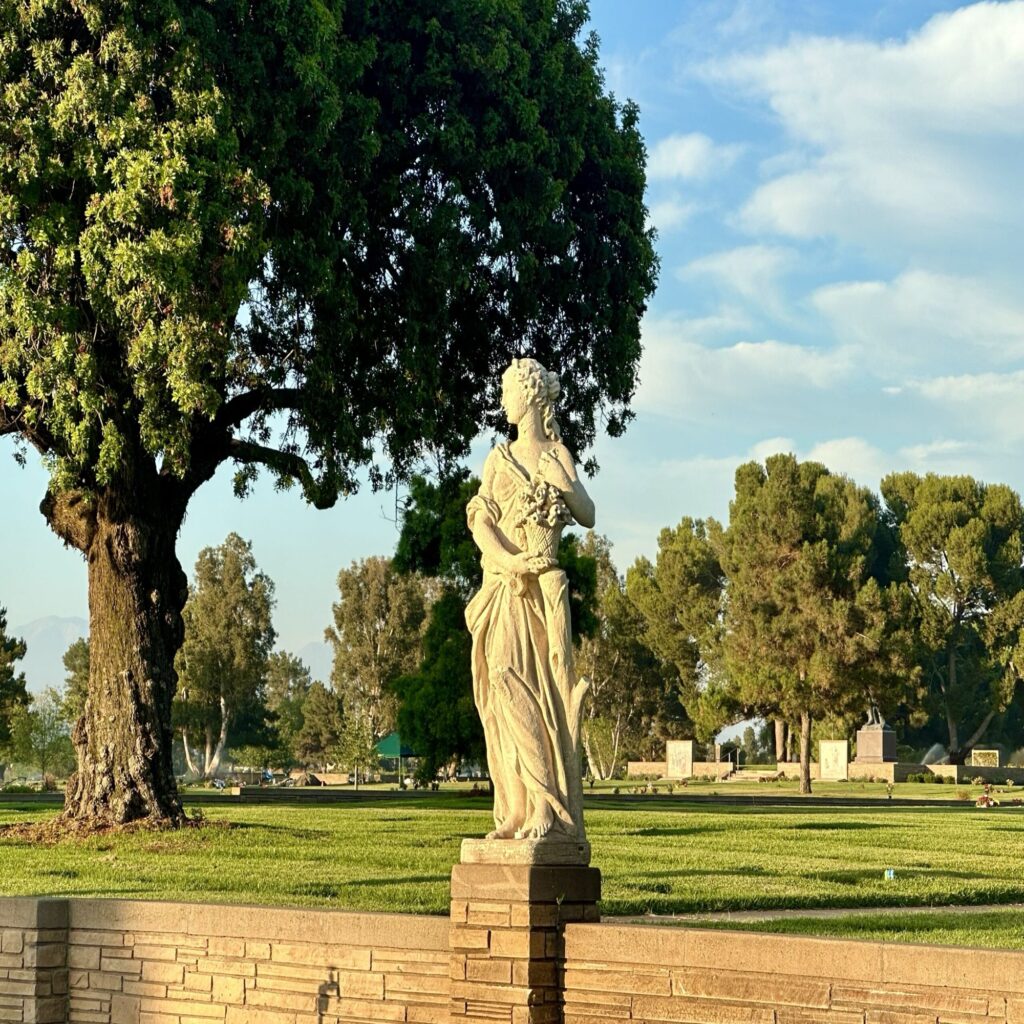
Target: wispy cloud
<point>753,272</point>
<point>689,157</point>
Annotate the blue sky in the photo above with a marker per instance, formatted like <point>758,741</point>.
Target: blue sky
<point>836,188</point>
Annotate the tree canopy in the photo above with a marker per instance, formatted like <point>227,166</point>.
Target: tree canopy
<point>680,597</point>
<point>347,215</point>
<point>807,630</point>
<point>963,543</point>
<point>376,636</point>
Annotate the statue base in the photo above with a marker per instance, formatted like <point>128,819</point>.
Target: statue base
<point>551,850</point>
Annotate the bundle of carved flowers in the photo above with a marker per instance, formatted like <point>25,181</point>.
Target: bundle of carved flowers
<point>543,510</point>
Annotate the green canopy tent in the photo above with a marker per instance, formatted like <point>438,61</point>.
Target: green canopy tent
<point>392,747</point>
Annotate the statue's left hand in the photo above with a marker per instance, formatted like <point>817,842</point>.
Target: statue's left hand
<point>551,471</point>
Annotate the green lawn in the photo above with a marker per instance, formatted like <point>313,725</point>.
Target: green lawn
<point>397,854</point>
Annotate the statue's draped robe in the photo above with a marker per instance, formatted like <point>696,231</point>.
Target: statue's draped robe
<point>524,678</point>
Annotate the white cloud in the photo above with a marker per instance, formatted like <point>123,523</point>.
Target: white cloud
<point>682,378</point>
<point>854,457</point>
<point>911,141</point>
<point>671,213</point>
<point>693,156</point>
<point>923,316</point>
<point>769,446</point>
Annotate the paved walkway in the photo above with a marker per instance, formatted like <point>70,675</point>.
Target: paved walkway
<point>824,912</point>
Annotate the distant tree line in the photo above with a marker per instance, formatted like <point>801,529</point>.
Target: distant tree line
<point>816,602</point>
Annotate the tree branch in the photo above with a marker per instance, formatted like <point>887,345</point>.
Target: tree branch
<point>38,436</point>
<point>287,464</point>
<point>238,409</point>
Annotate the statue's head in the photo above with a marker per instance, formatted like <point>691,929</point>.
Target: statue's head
<point>527,384</point>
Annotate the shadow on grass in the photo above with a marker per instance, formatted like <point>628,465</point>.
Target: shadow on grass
<point>841,826</point>
<point>655,831</point>
<point>741,871</point>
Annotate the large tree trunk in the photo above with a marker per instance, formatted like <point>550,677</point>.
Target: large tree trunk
<point>780,741</point>
<point>213,763</point>
<point>188,754</point>
<point>805,752</point>
<point>956,755</point>
<point>136,594</point>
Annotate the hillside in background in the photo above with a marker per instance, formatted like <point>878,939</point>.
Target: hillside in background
<point>47,640</point>
<point>318,657</point>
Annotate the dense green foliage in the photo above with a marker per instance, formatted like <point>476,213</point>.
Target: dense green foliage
<point>401,202</point>
<point>76,682</point>
<point>12,684</point>
<point>436,714</point>
<point>679,599</point>
<point>288,683</point>
<point>396,854</point>
<point>963,543</point>
<point>633,704</point>
<point>40,736</point>
<point>322,727</point>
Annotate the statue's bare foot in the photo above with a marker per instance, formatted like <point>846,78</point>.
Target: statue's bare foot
<point>506,830</point>
<point>539,824</point>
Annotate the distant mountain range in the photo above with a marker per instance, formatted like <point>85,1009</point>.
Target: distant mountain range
<point>319,657</point>
<point>47,639</point>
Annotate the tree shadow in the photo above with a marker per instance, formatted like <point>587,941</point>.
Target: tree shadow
<point>841,826</point>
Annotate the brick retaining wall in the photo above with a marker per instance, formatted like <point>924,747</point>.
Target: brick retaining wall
<point>127,962</point>
<point>649,973</point>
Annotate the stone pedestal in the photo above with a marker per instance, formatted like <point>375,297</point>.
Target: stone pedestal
<point>506,937</point>
<point>876,744</point>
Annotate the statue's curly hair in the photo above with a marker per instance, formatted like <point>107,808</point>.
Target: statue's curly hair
<point>542,388</point>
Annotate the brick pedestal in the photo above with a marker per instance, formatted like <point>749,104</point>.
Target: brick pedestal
<point>506,943</point>
<point>33,961</point>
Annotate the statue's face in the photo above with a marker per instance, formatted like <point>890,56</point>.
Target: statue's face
<point>513,397</point>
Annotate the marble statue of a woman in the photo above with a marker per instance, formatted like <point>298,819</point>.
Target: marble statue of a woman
<point>524,678</point>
